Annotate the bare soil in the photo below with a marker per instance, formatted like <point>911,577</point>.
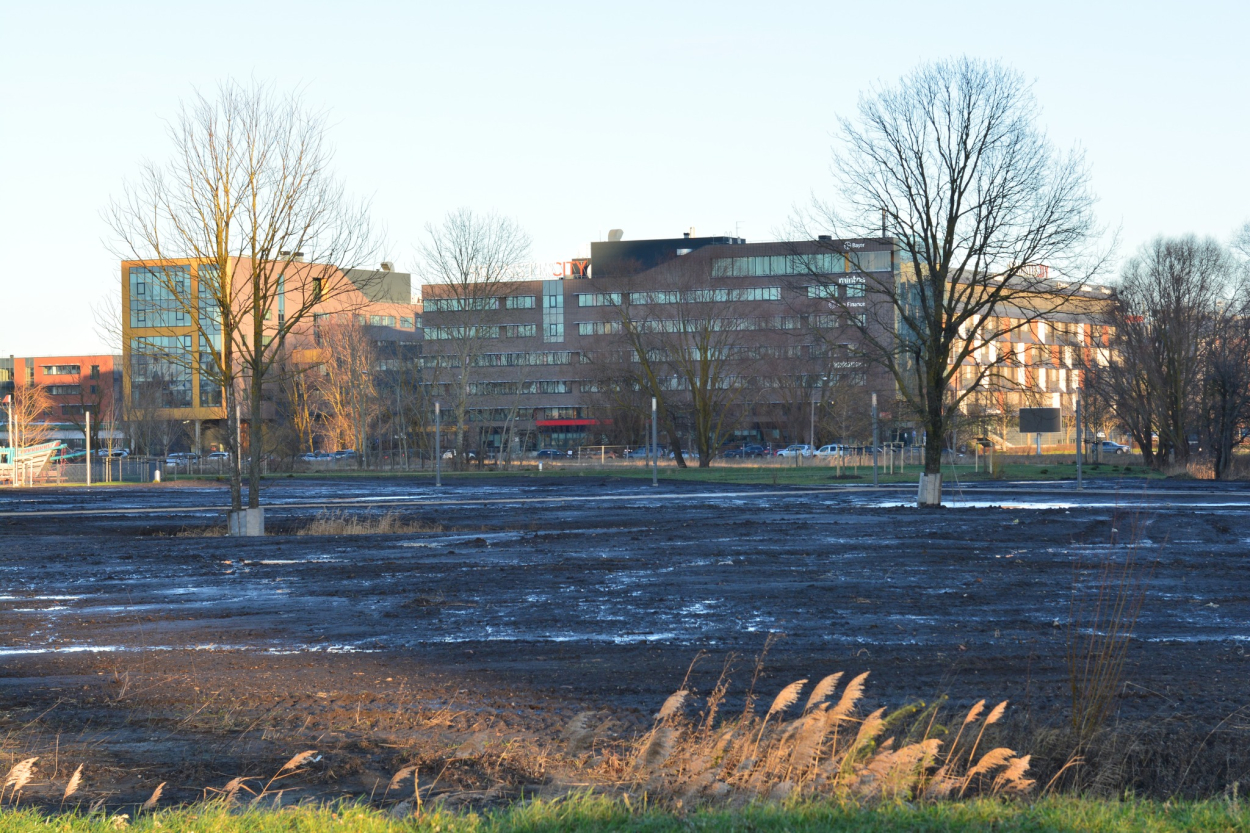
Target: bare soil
<point>152,653</point>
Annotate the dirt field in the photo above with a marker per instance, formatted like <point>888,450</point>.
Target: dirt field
<point>150,652</point>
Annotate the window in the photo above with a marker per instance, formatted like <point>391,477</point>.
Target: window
<point>519,302</point>
<point>95,371</point>
<point>598,328</point>
<point>94,389</point>
<point>65,390</point>
<point>653,297</point>
<point>519,330</point>
<point>854,290</point>
<point>405,323</point>
<point>62,370</point>
<point>161,371</point>
<point>159,296</point>
<point>76,410</point>
<point>461,304</point>
<point>381,321</point>
<point>501,359</point>
<point>603,299</point>
<point>553,311</point>
<point>822,292</point>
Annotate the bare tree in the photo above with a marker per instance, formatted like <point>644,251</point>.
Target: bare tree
<point>691,344</point>
<point>468,255</point>
<point>249,201</point>
<point>28,406</point>
<point>951,165</point>
<point>1173,345</point>
<point>345,386</point>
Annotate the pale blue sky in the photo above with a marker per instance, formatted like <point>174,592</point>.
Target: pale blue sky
<point>576,118</point>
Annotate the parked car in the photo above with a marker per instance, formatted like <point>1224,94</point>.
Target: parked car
<point>116,452</point>
<point>832,450</point>
<point>181,458</point>
<point>547,454</point>
<point>640,453</point>
<point>753,450</point>
<point>796,450</point>
<point>345,454</point>
<point>219,455</point>
<point>451,455</point>
<point>1110,447</point>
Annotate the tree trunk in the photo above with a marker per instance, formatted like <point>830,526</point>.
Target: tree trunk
<point>255,441</point>
<point>236,458</point>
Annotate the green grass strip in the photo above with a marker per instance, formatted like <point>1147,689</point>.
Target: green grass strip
<point>589,813</point>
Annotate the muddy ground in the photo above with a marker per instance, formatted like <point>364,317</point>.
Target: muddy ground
<point>150,652</point>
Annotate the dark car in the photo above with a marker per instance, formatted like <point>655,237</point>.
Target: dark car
<point>547,454</point>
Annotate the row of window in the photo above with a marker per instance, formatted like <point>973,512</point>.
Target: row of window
<point>494,331</point>
<point>501,359</point>
<point>68,370</point>
<point>492,302</point>
<point>820,263</point>
<point>516,388</point>
<point>850,289</point>
<point>693,296</point>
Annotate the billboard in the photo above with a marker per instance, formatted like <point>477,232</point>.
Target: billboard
<point>1040,421</point>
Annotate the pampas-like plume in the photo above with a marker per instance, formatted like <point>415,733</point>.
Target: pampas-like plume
<point>822,690</point>
<point>156,796</point>
<point>786,698</point>
<point>869,729</point>
<point>990,760</point>
<point>656,752</point>
<point>75,781</point>
<point>673,704</point>
<point>1012,778</point>
<point>398,778</point>
<point>298,760</point>
<point>997,713</point>
<point>850,696</point>
<point>19,776</point>
<point>579,734</point>
<point>231,790</point>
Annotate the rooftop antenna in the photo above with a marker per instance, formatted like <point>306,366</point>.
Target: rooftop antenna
<point>883,234</point>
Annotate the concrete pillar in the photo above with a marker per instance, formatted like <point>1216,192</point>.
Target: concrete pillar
<point>247,522</point>
<point>930,492</point>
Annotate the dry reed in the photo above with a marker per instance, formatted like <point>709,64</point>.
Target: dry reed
<point>341,523</point>
<point>824,749</point>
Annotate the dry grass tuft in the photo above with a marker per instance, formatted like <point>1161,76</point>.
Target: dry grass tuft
<point>341,523</point>
<point>823,751</point>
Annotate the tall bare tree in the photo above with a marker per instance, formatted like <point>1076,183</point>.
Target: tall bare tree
<point>345,386</point>
<point>952,166</point>
<point>249,195</point>
<point>468,255</point>
<point>1179,362</point>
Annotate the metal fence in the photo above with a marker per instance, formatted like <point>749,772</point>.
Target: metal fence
<point>124,470</point>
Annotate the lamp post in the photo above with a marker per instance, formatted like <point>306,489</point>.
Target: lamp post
<point>438,447</point>
<point>875,435</point>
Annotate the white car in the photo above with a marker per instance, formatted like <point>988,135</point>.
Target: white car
<point>796,450</point>
<point>830,451</point>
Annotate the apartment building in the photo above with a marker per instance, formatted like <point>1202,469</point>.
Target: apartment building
<point>546,358</point>
<point>74,386</point>
<point>171,326</point>
<point>543,354</point>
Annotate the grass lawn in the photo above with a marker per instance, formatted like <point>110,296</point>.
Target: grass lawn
<point>601,814</point>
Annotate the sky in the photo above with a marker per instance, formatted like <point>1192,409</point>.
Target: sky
<point>576,118</point>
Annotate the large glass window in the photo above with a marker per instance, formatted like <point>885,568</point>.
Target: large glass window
<point>159,296</point>
<point>160,372</point>
<point>520,302</point>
